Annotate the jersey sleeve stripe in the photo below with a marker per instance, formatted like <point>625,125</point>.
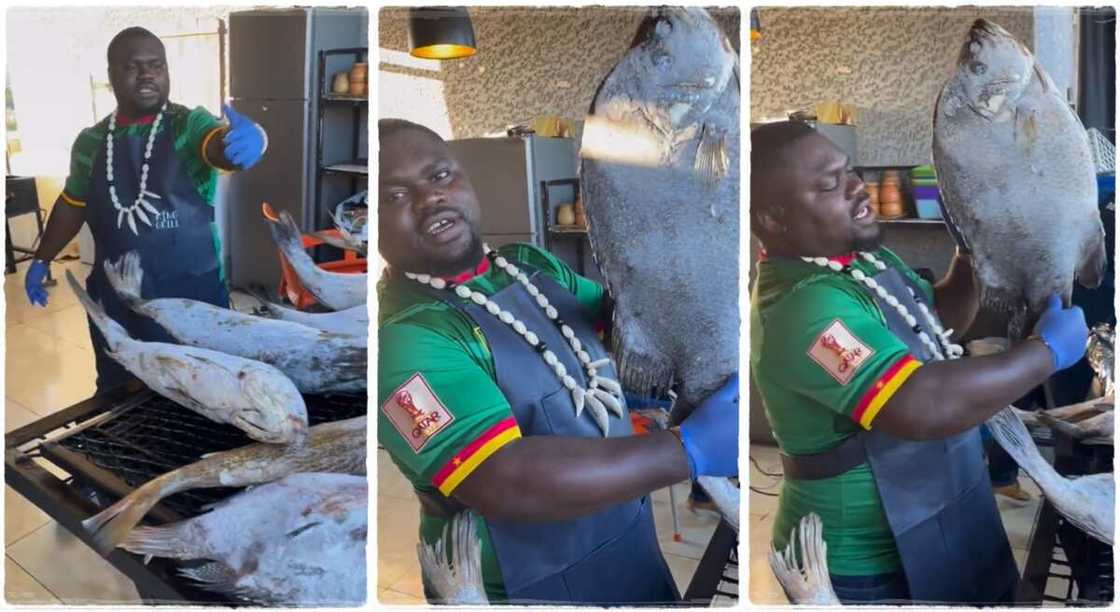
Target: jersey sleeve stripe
<point>882,390</point>
<point>72,201</point>
<point>467,460</point>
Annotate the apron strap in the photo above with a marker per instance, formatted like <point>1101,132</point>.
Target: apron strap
<point>832,462</point>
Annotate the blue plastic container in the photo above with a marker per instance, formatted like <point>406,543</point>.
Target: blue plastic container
<point>927,208</point>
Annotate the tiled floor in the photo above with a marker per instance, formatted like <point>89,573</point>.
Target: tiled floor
<point>48,367</point>
<point>1018,520</point>
<point>398,579</point>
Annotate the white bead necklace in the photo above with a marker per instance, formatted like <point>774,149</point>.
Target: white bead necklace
<point>602,393</point>
<point>136,209</point>
<point>951,350</point>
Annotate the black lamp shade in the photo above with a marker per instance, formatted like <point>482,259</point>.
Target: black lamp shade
<point>443,32</point>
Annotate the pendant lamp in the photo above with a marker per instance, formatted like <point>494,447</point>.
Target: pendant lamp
<point>443,32</point>
<point>756,26</point>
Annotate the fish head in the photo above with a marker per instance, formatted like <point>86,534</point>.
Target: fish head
<point>685,62</point>
<point>276,412</point>
<point>993,68</point>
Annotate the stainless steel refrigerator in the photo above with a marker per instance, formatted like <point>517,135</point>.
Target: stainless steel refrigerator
<point>511,177</point>
<point>274,79</point>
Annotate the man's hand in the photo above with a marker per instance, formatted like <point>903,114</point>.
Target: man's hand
<point>1063,331</point>
<point>245,143</point>
<point>33,282</point>
<point>710,434</point>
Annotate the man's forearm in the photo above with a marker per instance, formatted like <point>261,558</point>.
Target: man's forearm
<point>546,478</point>
<point>63,224</point>
<point>948,397</point>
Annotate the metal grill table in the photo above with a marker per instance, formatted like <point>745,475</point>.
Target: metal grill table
<point>716,581</point>
<point>79,460</point>
<point>1062,555</point>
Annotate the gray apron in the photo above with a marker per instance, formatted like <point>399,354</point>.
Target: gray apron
<point>937,495</point>
<point>610,557</point>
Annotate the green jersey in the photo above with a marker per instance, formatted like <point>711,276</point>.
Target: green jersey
<point>825,364</point>
<point>190,129</point>
<point>442,413</point>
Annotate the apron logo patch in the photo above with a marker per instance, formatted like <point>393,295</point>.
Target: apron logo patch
<point>416,412</point>
<point>166,220</point>
<point>839,352</point>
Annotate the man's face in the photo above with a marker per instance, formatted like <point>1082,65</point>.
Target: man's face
<point>428,215</point>
<point>138,74</point>
<point>827,210</point>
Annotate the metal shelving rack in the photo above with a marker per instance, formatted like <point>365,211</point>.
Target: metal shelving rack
<point>356,168</point>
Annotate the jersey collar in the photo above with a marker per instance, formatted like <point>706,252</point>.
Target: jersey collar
<point>840,259</point>
<point>142,120</point>
<point>482,268</point>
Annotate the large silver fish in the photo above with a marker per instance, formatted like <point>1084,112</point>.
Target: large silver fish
<point>339,446</point>
<point>660,179</point>
<point>1088,502</point>
<point>299,541</point>
<point>453,564</point>
<point>332,289</point>
<point>316,361</point>
<point>254,397</point>
<point>353,321</point>
<point>1017,177</point>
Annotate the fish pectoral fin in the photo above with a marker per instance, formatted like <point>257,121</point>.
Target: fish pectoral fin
<point>1026,128</point>
<point>1094,263</point>
<point>711,154</point>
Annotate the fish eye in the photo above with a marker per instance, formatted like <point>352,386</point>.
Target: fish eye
<point>662,59</point>
<point>977,68</point>
<point>664,27</point>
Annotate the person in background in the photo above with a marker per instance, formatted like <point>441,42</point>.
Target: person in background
<point>143,179</point>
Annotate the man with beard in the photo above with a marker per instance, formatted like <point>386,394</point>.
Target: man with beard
<point>143,179</point>
<point>497,396</point>
<point>878,435</point>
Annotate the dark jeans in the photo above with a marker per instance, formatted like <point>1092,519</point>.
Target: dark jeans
<point>874,588</point>
<point>1002,469</point>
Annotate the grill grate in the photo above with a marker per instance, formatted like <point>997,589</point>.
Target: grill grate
<point>158,436</point>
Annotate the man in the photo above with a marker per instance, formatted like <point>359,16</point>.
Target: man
<point>143,179</point>
<point>477,415</point>
<point>877,436</point>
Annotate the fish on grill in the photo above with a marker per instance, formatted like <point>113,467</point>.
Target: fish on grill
<point>353,321</point>
<point>254,397</point>
<point>338,446</point>
<point>316,361</point>
<point>806,583</point>
<point>1087,502</point>
<point>1017,178</point>
<point>332,289</point>
<point>298,541</point>
<point>1089,419</point>
<point>453,564</point>
<point>660,177</point>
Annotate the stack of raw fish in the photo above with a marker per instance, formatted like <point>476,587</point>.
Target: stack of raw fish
<point>300,539</point>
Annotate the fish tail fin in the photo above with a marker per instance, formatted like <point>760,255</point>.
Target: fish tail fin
<point>1010,432</point>
<point>712,160</point>
<point>126,276</point>
<point>112,331</point>
<point>164,541</point>
<point>110,527</point>
<point>1094,262</point>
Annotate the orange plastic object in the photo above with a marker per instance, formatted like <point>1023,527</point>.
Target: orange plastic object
<point>290,285</point>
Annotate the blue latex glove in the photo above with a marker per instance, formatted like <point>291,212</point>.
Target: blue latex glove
<point>33,282</point>
<point>711,433</point>
<point>1064,331</point>
<point>245,141</point>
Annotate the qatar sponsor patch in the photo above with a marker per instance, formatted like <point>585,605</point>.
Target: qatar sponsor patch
<point>839,352</point>
<point>416,412</point>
